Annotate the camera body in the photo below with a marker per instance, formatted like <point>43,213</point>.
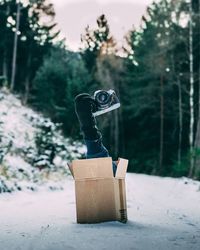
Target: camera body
<point>105,101</point>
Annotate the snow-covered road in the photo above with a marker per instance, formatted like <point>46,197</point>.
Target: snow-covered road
<point>164,213</point>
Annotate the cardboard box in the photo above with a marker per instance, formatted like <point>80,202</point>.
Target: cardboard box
<point>99,195</point>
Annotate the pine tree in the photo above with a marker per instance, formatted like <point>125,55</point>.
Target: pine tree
<point>196,39</point>
<point>33,38</point>
<point>45,145</point>
<point>56,86</point>
<point>96,42</point>
<point>157,60</point>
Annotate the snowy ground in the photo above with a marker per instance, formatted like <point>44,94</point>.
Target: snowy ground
<point>20,152</point>
<point>164,213</point>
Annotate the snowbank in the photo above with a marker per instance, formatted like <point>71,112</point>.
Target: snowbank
<point>28,141</point>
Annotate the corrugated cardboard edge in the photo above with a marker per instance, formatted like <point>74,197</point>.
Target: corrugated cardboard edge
<point>70,168</point>
<point>123,204</point>
<point>121,168</point>
<point>120,190</point>
<point>120,200</point>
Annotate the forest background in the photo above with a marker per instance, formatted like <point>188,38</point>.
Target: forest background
<point>156,74</point>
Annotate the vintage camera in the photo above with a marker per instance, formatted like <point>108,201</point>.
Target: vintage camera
<point>105,101</point>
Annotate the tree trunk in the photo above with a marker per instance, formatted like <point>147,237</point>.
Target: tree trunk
<point>197,147</point>
<point>197,137</point>
<point>191,94</point>
<point>12,85</point>
<point>161,124</point>
<point>121,133</point>
<point>112,129</point>
<point>27,79</point>
<point>116,134</point>
<point>5,67</point>
<point>27,89</point>
<point>5,55</point>
<point>180,119</point>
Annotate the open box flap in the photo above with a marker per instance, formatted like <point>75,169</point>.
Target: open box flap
<point>92,168</point>
<point>70,168</point>
<point>121,168</point>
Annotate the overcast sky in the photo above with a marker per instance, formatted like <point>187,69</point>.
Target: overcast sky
<point>73,16</point>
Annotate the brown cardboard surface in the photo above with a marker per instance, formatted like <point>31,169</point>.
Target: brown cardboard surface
<point>93,168</point>
<point>99,196</point>
<point>122,195</point>
<point>121,168</point>
<point>117,199</point>
<point>120,200</point>
<point>95,200</point>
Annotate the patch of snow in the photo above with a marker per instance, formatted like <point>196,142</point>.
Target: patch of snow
<point>163,213</point>
<point>16,120</point>
<point>28,141</point>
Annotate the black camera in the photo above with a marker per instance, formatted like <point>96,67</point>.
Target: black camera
<point>105,101</point>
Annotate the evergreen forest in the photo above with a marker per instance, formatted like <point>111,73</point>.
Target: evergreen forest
<point>155,73</point>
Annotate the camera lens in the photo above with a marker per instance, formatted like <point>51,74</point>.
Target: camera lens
<point>102,98</point>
